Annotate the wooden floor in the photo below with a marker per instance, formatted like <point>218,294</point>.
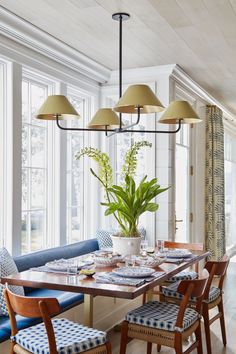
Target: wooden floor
<point>138,347</point>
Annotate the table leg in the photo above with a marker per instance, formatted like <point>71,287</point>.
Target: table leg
<point>88,310</point>
<point>149,295</point>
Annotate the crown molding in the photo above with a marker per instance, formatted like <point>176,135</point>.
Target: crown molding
<point>30,36</point>
<point>180,76</point>
<point>146,74</point>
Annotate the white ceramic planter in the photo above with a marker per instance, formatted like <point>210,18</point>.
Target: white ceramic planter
<point>126,245</point>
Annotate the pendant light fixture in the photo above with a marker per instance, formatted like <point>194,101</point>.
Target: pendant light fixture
<point>137,99</point>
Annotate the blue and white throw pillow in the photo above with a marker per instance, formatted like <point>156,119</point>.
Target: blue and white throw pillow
<point>7,267</point>
<point>104,238</point>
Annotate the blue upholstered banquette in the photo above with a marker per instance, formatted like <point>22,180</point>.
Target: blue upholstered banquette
<point>67,300</point>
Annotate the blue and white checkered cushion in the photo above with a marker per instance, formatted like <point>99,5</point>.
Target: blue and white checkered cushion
<point>70,337</point>
<point>185,275</point>
<point>171,291</point>
<point>214,293</point>
<point>161,315</point>
<point>7,267</point>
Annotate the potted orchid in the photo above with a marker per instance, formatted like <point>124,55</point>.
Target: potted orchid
<point>127,201</point>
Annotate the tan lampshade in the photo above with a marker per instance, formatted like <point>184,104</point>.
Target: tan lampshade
<point>179,110</point>
<point>57,105</point>
<point>104,117</point>
<point>138,96</point>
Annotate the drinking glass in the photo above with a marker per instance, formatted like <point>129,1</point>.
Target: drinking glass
<point>160,245</point>
<point>143,247</point>
<point>130,261</point>
<point>72,267</point>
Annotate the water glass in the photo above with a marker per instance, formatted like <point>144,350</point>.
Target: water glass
<point>72,267</point>
<point>143,247</point>
<point>130,261</point>
<point>160,245</point>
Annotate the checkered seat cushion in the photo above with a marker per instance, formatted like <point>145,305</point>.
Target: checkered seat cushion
<point>70,338</point>
<point>185,275</point>
<point>161,315</point>
<point>171,291</point>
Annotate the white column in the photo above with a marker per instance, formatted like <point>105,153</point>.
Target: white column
<point>13,163</point>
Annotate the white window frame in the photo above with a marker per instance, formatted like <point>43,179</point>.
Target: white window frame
<point>85,193</point>
<point>182,94</point>
<point>3,154</point>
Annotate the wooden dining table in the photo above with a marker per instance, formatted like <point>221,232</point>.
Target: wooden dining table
<point>91,288</point>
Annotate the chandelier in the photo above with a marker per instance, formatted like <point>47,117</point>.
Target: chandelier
<point>137,99</point>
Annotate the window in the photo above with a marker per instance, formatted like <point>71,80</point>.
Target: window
<point>230,189</point>
<point>75,168</point>
<point>34,167</point>
<point>124,142</point>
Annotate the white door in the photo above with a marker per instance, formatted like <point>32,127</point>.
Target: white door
<point>182,185</point>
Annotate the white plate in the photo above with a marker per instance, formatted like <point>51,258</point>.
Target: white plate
<point>149,261</point>
<point>107,261</point>
<point>134,272</point>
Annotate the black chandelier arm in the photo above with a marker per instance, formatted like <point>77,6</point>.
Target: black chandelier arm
<point>83,129</point>
<point>155,131</point>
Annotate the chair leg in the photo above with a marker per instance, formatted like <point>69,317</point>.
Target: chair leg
<point>178,343</point>
<point>124,337</point>
<point>161,296</point>
<point>205,314</point>
<point>144,299</point>
<point>149,348</point>
<point>158,348</point>
<point>198,334</point>
<point>222,322</point>
<point>108,346</point>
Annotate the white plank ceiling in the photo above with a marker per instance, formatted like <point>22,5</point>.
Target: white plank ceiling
<point>199,35</point>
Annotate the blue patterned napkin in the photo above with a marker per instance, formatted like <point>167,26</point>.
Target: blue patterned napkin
<point>111,278</point>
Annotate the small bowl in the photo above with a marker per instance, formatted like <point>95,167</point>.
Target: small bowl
<point>88,272</point>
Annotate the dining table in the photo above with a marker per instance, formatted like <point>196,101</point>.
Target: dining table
<point>90,287</point>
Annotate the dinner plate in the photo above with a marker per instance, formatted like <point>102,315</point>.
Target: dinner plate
<point>134,272</point>
<point>149,261</point>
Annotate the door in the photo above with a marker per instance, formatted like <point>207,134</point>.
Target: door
<point>182,185</point>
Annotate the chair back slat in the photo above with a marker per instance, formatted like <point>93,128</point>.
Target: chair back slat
<point>221,266</point>
<point>186,246</point>
<point>188,288</point>
<point>198,285</point>
<point>29,307</point>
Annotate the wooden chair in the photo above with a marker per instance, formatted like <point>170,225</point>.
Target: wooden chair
<point>185,275</point>
<point>213,297</point>
<point>211,300</point>
<point>186,246</point>
<point>165,323</point>
<point>61,335</point>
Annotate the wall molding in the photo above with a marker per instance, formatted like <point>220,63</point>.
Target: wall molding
<point>180,76</point>
<point>30,36</point>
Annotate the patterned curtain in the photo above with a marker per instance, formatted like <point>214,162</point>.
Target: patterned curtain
<point>215,213</point>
